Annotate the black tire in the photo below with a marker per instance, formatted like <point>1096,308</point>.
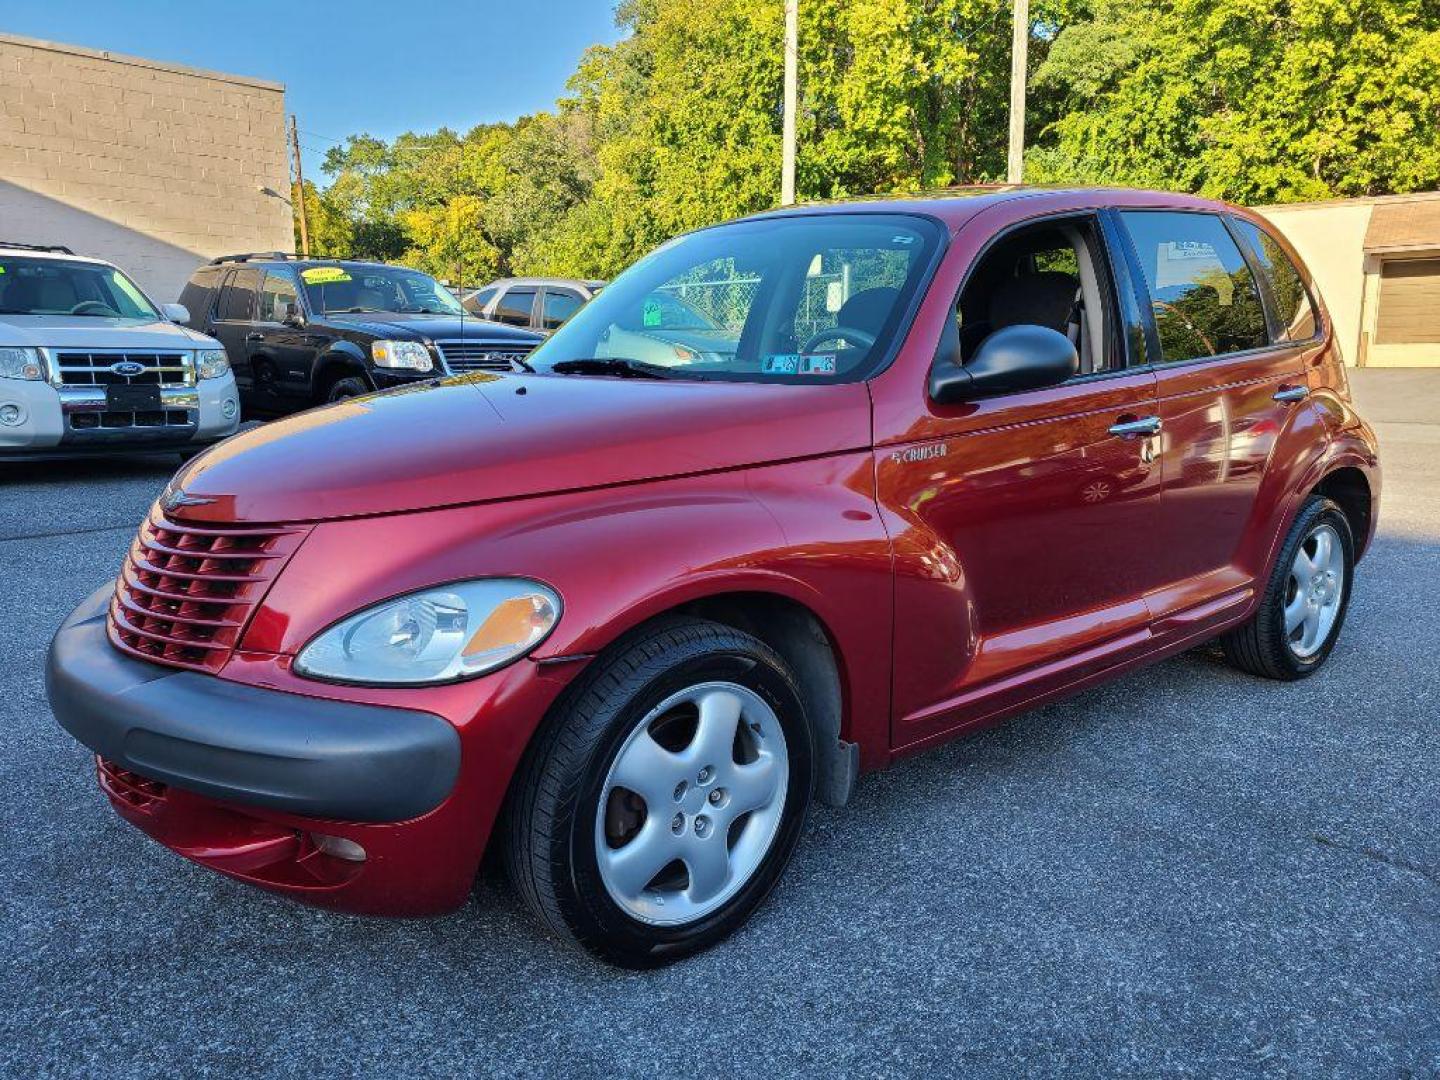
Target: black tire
<point>1261,646</point>
<point>550,835</point>
<point>349,387</point>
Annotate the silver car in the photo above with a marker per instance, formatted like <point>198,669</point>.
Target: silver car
<point>88,363</point>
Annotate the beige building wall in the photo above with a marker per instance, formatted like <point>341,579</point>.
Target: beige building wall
<point>152,166</point>
<point>1346,243</point>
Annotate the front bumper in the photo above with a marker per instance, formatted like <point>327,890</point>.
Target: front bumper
<point>67,420</point>
<point>242,774</point>
<point>300,755</point>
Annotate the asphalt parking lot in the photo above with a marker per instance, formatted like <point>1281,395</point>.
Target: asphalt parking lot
<point>1189,872</point>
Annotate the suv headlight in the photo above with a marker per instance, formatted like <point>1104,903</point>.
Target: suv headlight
<point>211,363</point>
<point>411,355</point>
<point>435,635</point>
<point>18,363</point>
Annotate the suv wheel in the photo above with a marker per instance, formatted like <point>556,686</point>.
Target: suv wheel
<point>660,806</point>
<point>1305,601</point>
<point>350,387</point>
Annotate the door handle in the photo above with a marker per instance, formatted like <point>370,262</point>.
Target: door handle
<point>254,335</point>
<point>1129,429</point>
<point>1292,393</point>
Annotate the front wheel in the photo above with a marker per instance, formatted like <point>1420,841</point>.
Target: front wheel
<point>1305,600</point>
<point>347,388</point>
<point>661,804</point>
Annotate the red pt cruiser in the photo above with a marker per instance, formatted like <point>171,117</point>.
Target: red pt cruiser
<point>794,497</point>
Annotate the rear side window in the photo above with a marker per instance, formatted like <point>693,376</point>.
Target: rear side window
<point>237,298</point>
<point>558,306</point>
<point>1292,302</point>
<point>1205,299</point>
<point>515,307</point>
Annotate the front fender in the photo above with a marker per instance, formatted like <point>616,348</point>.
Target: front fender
<point>807,531</point>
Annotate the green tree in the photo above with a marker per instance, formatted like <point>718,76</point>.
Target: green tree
<point>1250,100</point>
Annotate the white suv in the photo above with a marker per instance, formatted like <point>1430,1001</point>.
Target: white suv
<point>88,363</point>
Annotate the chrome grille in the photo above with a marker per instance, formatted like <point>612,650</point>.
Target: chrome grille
<point>98,368</point>
<point>186,592</point>
<point>463,356</point>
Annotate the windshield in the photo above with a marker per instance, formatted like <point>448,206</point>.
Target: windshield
<point>789,299</point>
<point>30,286</point>
<point>333,289</point>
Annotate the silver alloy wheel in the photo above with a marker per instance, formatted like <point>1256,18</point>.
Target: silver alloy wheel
<point>1314,591</point>
<point>703,810</point>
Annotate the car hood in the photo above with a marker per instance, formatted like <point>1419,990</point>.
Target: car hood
<point>431,327</point>
<point>482,437</point>
<point>90,332</point>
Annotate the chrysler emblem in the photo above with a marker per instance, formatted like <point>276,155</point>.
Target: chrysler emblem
<point>128,368</point>
<point>176,498</point>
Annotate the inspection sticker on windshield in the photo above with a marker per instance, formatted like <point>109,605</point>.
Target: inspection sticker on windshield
<point>651,315</point>
<point>324,275</point>
<point>798,364</point>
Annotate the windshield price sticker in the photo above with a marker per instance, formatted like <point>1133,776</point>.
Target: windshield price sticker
<point>651,315</point>
<point>324,275</point>
<point>799,364</point>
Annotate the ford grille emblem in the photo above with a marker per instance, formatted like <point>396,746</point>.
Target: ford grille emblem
<point>128,368</point>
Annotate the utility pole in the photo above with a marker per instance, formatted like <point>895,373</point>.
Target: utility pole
<point>792,63</point>
<point>1019,57</point>
<point>300,188</point>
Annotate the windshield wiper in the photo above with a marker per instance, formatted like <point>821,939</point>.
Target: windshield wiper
<point>519,363</point>
<point>356,310</point>
<point>617,365</point>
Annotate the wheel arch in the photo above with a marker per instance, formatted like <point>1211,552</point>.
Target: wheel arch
<point>336,364</point>
<point>1349,488</point>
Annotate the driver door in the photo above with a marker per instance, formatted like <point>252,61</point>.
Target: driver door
<point>1023,523</point>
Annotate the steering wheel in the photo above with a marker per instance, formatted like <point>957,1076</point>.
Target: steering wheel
<point>93,307</point>
<point>859,338</point>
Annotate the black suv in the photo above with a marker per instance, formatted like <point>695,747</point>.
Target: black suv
<point>301,332</point>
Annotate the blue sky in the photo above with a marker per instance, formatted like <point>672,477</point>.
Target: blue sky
<point>350,66</point>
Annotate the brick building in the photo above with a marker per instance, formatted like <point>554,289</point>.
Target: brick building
<point>153,166</point>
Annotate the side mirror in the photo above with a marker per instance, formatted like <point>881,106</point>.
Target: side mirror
<point>176,313</point>
<point>1009,360</point>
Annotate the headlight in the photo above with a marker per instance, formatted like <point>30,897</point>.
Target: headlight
<point>21,364</point>
<point>401,354</point>
<point>435,635</point>
<point>211,363</point>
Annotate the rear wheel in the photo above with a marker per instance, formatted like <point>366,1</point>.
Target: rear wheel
<point>661,805</point>
<point>1305,600</point>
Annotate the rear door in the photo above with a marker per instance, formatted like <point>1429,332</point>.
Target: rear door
<point>234,322</point>
<point>1227,388</point>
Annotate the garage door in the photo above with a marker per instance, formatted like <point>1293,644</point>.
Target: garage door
<point>1409,302</point>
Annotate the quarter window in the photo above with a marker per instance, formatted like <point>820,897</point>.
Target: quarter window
<point>1204,297</point>
<point>277,296</point>
<point>1292,301</point>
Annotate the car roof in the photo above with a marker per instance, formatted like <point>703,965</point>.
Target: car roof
<point>57,256</point>
<point>954,206</point>
<point>585,283</point>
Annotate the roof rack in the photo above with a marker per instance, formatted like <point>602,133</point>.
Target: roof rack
<point>246,256</point>
<point>56,248</point>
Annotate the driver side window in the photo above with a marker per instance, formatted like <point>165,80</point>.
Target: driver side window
<point>1050,274</point>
